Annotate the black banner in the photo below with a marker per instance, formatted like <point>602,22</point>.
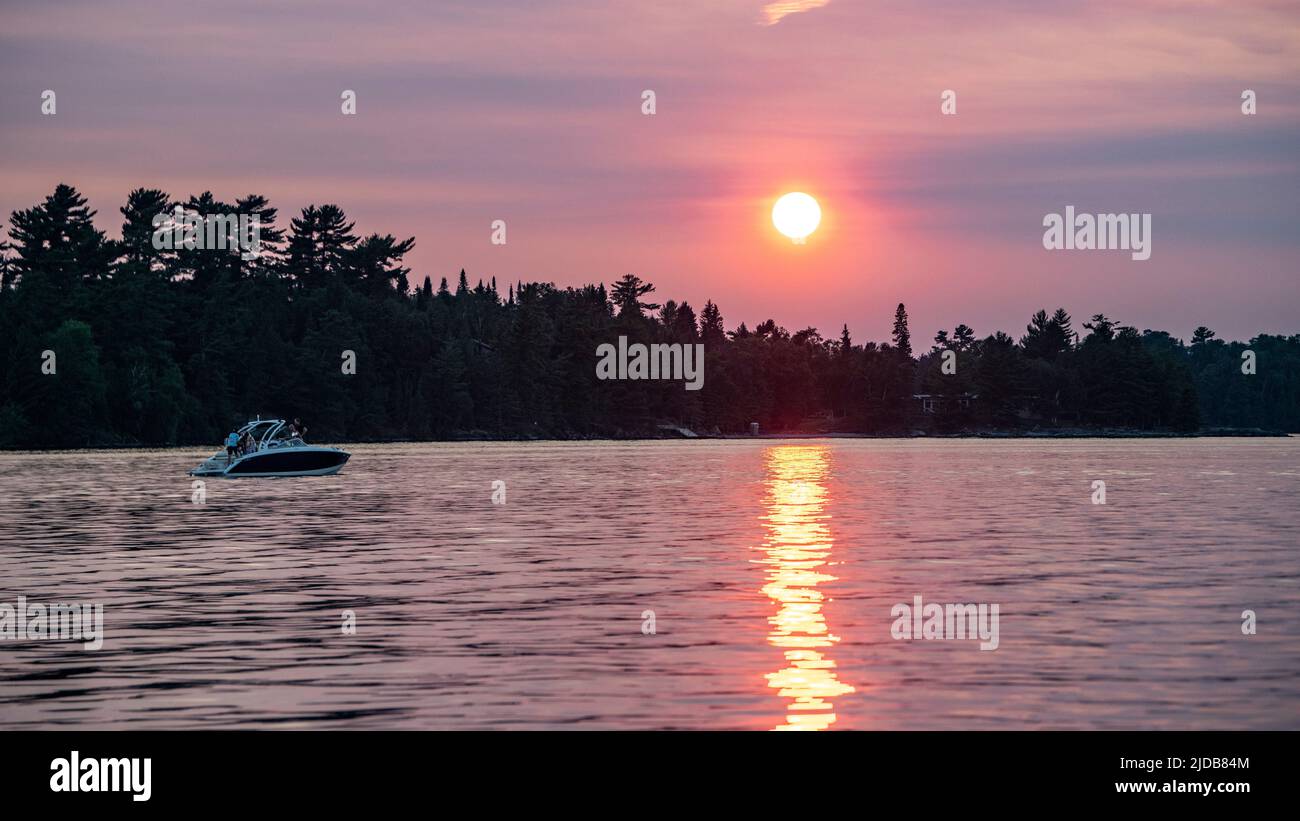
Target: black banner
<point>146,771</point>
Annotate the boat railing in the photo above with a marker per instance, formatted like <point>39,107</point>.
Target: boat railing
<point>267,434</point>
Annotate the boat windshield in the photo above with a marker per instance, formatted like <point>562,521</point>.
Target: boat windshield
<point>281,436</point>
<point>265,432</point>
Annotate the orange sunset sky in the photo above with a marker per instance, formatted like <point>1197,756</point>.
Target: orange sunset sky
<point>468,112</point>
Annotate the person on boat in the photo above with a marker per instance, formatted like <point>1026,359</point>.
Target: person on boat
<point>232,446</point>
<point>296,429</point>
<point>248,445</point>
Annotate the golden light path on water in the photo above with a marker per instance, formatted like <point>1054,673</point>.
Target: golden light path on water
<point>798,548</point>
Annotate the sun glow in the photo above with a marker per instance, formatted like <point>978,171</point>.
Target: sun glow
<point>796,215</point>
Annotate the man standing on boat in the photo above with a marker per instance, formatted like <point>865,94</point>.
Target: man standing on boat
<point>232,443</point>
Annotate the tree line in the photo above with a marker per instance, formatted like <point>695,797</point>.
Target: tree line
<point>116,342</point>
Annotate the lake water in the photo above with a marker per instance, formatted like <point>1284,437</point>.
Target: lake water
<point>769,569</point>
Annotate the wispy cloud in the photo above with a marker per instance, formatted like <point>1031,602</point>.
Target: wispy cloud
<point>773,12</point>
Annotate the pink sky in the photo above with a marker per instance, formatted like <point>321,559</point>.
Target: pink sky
<point>530,112</point>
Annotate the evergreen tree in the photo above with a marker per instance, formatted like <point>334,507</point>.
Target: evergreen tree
<point>626,295</point>
<point>683,325</point>
<point>711,328</point>
<point>319,243</point>
<point>902,336</point>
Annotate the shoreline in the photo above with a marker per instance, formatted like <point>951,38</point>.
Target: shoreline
<point>1061,433</point>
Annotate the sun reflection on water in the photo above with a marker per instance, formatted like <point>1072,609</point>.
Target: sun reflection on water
<point>798,548</point>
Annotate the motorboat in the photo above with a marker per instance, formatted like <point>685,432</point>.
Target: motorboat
<point>276,451</point>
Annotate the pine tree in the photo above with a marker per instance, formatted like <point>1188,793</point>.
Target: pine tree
<point>1064,334</point>
<point>963,338</point>
<point>374,265</point>
<point>902,337</point>
<point>684,323</point>
<point>626,295</point>
<point>711,328</point>
<point>58,250</point>
<point>425,297</point>
<point>319,243</point>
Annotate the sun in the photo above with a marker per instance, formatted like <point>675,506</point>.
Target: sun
<point>796,215</point>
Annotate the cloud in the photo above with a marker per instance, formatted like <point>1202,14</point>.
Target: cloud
<point>773,12</point>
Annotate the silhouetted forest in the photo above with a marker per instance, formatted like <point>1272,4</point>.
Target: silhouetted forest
<point>160,346</point>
